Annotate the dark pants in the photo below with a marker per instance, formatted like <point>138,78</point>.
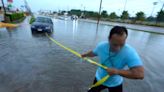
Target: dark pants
<point>101,87</point>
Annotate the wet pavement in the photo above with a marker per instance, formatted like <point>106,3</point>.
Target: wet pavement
<point>33,63</point>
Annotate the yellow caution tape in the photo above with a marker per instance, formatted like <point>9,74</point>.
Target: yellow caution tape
<point>86,59</point>
<point>7,25</point>
<point>100,81</point>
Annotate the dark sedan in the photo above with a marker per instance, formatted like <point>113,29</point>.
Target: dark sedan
<point>42,24</point>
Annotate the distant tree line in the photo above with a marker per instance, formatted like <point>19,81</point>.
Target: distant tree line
<point>139,16</point>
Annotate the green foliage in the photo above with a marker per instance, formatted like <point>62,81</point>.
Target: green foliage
<point>125,15</point>
<point>113,15</point>
<point>91,14</point>
<point>140,16</point>
<point>160,16</point>
<point>32,19</point>
<point>87,13</point>
<point>15,16</point>
<point>104,14</point>
<point>75,12</point>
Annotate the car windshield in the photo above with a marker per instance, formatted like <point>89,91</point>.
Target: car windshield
<point>43,20</point>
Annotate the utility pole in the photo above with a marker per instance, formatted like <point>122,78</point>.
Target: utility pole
<point>162,7</point>
<point>157,19</point>
<point>28,7</point>
<point>99,15</point>
<point>154,3</point>
<point>3,7</point>
<point>125,5</point>
<point>99,11</point>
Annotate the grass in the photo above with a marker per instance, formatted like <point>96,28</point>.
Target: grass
<point>136,22</point>
<point>32,20</point>
<point>18,21</point>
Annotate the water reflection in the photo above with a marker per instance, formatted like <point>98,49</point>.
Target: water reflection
<point>74,27</point>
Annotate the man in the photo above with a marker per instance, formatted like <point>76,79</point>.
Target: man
<point>116,54</point>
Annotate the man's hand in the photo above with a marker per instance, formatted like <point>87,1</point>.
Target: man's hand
<point>88,54</point>
<point>83,55</point>
<point>112,71</point>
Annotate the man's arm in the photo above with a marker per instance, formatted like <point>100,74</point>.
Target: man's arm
<point>132,73</point>
<point>88,54</point>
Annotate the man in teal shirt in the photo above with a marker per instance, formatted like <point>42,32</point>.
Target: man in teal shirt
<point>116,54</point>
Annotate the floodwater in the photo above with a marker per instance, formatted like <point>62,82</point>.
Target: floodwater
<point>33,63</point>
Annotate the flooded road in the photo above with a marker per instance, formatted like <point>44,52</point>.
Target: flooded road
<point>33,63</point>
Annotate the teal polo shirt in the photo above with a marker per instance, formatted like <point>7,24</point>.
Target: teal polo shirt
<point>127,56</point>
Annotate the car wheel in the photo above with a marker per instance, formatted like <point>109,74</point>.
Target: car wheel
<point>51,30</point>
<point>33,31</point>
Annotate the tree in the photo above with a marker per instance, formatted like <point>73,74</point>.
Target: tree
<point>113,15</point>
<point>125,15</point>
<point>140,16</point>
<point>75,12</point>
<point>54,12</point>
<point>91,14</point>
<point>160,16</point>
<point>62,12</point>
<point>104,14</point>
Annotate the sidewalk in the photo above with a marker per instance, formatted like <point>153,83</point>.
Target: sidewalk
<point>151,29</point>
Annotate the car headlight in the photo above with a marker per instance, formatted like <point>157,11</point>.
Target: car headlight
<point>32,26</point>
<point>48,27</point>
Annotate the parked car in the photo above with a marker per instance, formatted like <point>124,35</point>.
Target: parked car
<point>42,24</point>
<point>74,17</point>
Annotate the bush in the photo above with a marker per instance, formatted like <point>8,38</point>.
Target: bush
<point>15,16</point>
<point>32,20</point>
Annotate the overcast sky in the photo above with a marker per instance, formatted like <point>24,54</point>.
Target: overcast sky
<point>117,6</point>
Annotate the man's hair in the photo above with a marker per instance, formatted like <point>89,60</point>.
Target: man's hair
<point>119,30</point>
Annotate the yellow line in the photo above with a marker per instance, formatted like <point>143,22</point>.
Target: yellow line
<point>86,59</point>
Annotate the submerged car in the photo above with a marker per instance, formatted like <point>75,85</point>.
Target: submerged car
<point>42,24</point>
